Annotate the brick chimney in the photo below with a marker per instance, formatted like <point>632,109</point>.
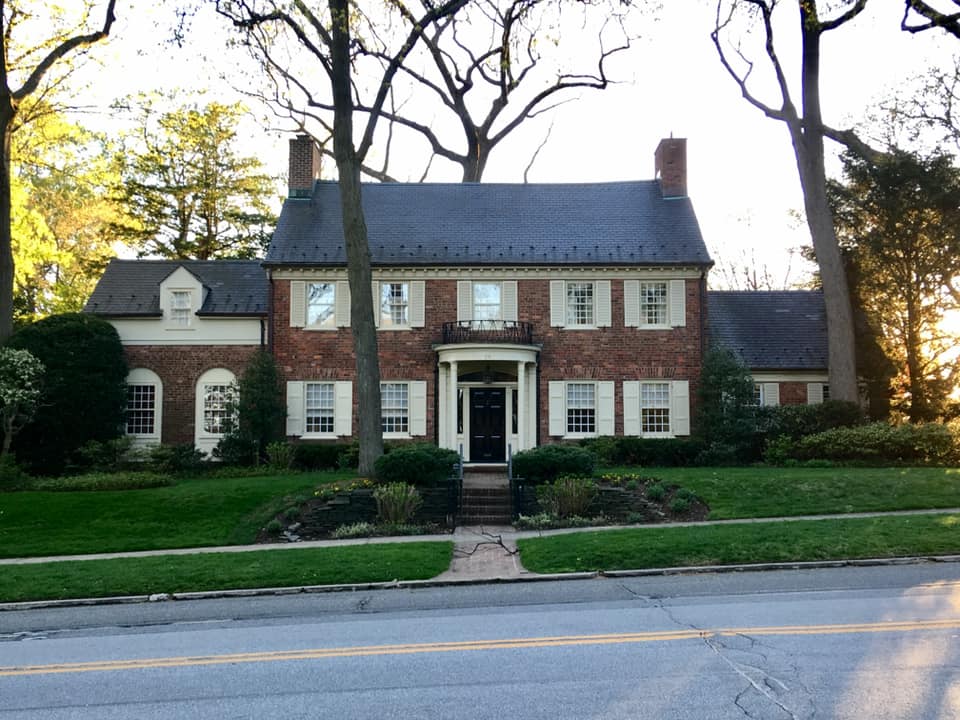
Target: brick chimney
<point>670,167</point>
<point>304,166</point>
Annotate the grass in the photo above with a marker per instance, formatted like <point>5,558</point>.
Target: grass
<point>746,492</point>
<point>191,513</point>
<point>219,571</point>
<point>743,543</point>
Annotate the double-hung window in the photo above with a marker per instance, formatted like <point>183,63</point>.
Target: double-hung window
<point>653,303</point>
<point>319,408</point>
<point>181,305</point>
<point>581,409</point>
<point>394,304</point>
<point>758,394</point>
<point>580,307</point>
<point>217,408</point>
<point>487,303</point>
<point>654,408</point>
<point>141,409</point>
<point>321,304</point>
<point>395,408</point>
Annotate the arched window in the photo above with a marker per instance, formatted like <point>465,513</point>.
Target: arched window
<point>214,403</point>
<point>144,416</point>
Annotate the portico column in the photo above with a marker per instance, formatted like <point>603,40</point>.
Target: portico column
<point>521,405</point>
<point>452,419</point>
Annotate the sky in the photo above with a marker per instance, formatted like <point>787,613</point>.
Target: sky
<point>742,175</point>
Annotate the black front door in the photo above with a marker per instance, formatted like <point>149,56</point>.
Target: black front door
<point>487,425</point>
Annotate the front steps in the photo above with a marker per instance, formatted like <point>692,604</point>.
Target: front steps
<point>486,498</point>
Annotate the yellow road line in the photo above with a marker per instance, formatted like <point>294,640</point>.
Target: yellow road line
<point>467,645</point>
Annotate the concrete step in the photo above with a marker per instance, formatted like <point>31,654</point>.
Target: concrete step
<point>485,520</point>
<point>486,492</point>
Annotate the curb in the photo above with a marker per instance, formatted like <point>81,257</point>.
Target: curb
<point>418,584</point>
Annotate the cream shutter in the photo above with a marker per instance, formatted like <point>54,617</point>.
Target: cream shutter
<point>605,411</point>
<point>342,304</point>
<point>508,299</point>
<point>631,407</point>
<point>814,393</point>
<point>418,407</point>
<point>295,408</point>
<point>343,408</point>
<point>631,303</point>
<point>601,297</point>
<point>771,393</point>
<point>678,303</point>
<point>557,407</point>
<point>680,407</point>
<point>298,303</point>
<point>417,301</point>
<point>558,305</point>
<point>375,291</point>
<point>464,300</point>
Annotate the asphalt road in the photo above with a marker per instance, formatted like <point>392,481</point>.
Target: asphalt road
<point>839,643</point>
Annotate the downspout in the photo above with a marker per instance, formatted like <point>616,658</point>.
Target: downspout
<point>269,323</point>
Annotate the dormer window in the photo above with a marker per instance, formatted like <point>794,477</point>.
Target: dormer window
<point>181,307</point>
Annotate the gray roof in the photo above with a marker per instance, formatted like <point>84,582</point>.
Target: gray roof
<point>779,330</point>
<point>132,287</point>
<point>431,224</point>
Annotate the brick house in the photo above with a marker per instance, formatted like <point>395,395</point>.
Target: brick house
<point>508,315</point>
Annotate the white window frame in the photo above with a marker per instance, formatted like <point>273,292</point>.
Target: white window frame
<point>662,307</point>
<point>330,322</point>
<point>757,395</point>
<point>142,377</point>
<point>665,404</point>
<point>498,305</point>
<point>570,311</point>
<point>386,305</point>
<point>572,386</point>
<point>218,408</point>
<point>181,308</point>
<point>405,417</point>
<point>321,410</point>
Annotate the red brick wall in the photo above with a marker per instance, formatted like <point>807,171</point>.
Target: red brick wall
<point>179,368</point>
<point>615,353</point>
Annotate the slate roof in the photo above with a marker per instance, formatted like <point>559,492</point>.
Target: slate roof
<point>468,224</point>
<point>131,288</point>
<point>780,330</point>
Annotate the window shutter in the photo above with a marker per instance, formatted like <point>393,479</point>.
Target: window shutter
<point>631,408</point>
<point>342,304</point>
<point>418,407</point>
<point>343,408</point>
<point>558,304</point>
<point>771,393</point>
<point>464,300</point>
<point>680,407</point>
<point>631,303</point>
<point>417,302</point>
<point>814,393</point>
<point>295,408</point>
<point>605,412</point>
<point>509,300</point>
<point>376,303</point>
<point>558,408</point>
<point>602,297</point>
<point>678,303</point>
<point>298,303</point>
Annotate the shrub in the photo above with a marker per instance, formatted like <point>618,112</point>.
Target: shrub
<point>726,410</point>
<point>656,452</point>
<point>353,530</point>
<point>548,462</point>
<point>719,453</point>
<point>567,496</point>
<point>259,413</point>
<point>656,492</point>
<point>418,464</point>
<point>881,443</point>
<point>85,393</point>
<point>320,456</point>
<point>397,502</point>
<point>274,527</point>
<point>540,521</point>
<point>21,387</point>
<point>796,421</point>
<point>679,505</point>
<point>280,455</point>
<point>12,477</point>
<point>176,459</point>
<point>106,455</point>
<point>96,481</point>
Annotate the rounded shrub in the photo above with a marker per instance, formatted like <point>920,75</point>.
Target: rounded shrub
<point>877,444</point>
<point>84,394</point>
<point>548,462</point>
<point>420,464</point>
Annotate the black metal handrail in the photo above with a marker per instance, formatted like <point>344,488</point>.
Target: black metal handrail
<point>455,488</point>
<point>487,331</point>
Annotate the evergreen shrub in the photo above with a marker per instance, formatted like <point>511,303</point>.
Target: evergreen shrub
<point>548,462</point>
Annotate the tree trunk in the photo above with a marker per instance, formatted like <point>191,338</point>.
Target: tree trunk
<point>357,247</point>
<point>918,411</point>
<point>476,160</point>
<point>6,236</point>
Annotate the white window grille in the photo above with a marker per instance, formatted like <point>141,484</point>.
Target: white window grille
<point>395,408</point>
<point>653,303</point>
<point>654,408</point>
<point>181,305</point>
<point>217,408</point>
<point>580,307</point>
<point>394,304</point>
<point>141,409</point>
<point>581,408</point>
<point>319,408</point>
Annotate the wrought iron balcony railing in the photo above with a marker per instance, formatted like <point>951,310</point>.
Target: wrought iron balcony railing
<point>487,331</point>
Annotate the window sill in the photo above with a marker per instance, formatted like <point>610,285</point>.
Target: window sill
<point>397,436</point>
<point>653,327</point>
<point>578,436</point>
<point>321,436</point>
<point>319,328</point>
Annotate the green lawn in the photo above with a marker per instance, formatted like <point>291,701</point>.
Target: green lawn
<point>742,492</point>
<point>223,571</point>
<point>192,513</point>
<point>743,543</point>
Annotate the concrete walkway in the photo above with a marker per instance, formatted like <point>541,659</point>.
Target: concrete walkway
<point>480,553</point>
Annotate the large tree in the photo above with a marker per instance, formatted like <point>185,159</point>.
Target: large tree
<point>807,129</point>
<point>32,42</point>
<point>899,221</point>
<point>274,29</point>
<point>187,191</point>
<point>919,15</point>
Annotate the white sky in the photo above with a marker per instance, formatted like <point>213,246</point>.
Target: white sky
<point>742,173</point>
